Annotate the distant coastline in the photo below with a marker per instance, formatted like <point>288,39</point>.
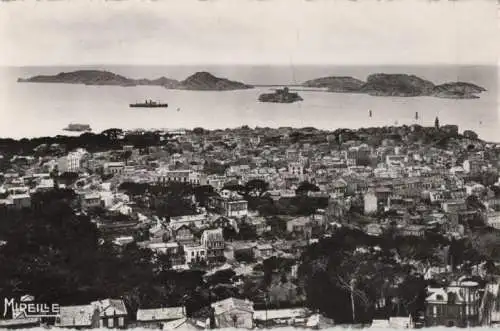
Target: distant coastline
<point>268,131</point>
<point>379,84</point>
<point>450,130</point>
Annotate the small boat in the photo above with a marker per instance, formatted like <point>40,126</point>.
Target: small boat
<point>76,127</point>
<point>416,115</point>
<point>148,104</point>
<point>370,112</point>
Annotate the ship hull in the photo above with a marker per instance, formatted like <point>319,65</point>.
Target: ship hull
<point>149,106</point>
<point>77,130</point>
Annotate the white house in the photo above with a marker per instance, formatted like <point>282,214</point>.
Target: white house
<point>195,253</point>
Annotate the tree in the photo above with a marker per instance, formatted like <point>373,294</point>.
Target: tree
<point>235,187</point>
<point>489,178</point>
<point>412,294</point>
<point>202,193</point>
<point>134,189</point>
<point>473,203</point>
<point>43,257</point>
<point>487,243</point>
<point>355,269</point>
<point>229,233</point>
<point>112,134</point>
<point>214,168</point>
<point>256,187</point>
<point>69,176</point>
<point>245,255</point>
<point>246,232</point>
<point>198,131</point>
<point>469,134</point>
<point>126,156</point>
<point>221,277</point>
<point>276,265</point>
<point>306,187</point>
<point>278,226</point>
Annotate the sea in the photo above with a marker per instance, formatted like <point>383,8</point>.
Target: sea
<point>33,109</point>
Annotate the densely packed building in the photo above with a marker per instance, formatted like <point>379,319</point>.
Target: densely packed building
<point>388,180</point>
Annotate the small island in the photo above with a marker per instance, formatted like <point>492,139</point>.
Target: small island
<point>457,90</point>
<point>398,85</point>
<point>205,81</point>
<point>343,84</point>
<point>280,96</point>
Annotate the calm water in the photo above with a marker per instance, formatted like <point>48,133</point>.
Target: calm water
<point>29,110</point>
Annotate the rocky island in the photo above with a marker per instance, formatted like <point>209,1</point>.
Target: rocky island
<point>458,90</point>
<point>336,84</point>
<point>97,77</point>
<point>401,85</point>
<point>197,81</point>
<point>280,96</point>
<point>205,81</point>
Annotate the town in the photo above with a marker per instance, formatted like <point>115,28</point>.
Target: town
<point>252,228</point>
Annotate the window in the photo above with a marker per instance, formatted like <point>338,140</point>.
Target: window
<point>121,321</point>
<point>111,322</point>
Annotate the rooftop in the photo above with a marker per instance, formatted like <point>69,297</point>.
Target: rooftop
<point>159,314</point>
<point>76,316</point>
<point>232,303</point>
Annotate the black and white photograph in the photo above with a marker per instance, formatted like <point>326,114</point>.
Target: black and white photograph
<point>249,164</point>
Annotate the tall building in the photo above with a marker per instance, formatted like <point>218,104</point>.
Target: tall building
<point>213,241</point>
<point>71,162</point>
<point>370,202</point>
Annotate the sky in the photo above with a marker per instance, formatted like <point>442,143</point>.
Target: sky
<point>170,32</point>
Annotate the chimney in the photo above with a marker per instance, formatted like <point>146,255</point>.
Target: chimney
<point>212,318</point>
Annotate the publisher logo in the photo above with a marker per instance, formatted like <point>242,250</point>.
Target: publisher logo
<point>27,307</point>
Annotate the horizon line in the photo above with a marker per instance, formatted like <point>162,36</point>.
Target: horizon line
<point>481,64</point>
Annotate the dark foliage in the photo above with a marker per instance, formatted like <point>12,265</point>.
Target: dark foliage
<point>55,255</point>
<point>347,268</point>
